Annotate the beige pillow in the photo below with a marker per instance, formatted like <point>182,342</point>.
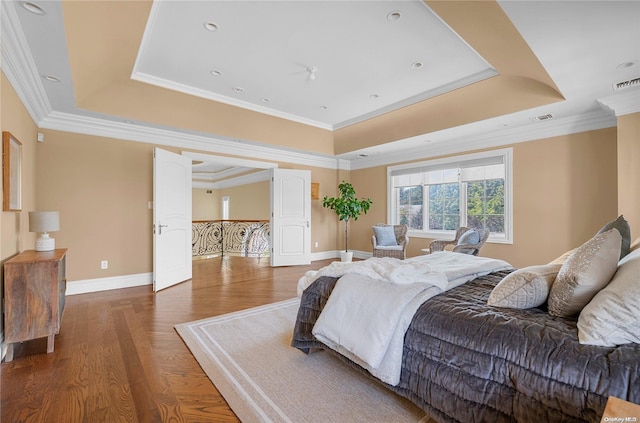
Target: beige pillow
<point>612,317</point>
<point>560,260</point>
<point>586,271</point>
<point>525,288</point>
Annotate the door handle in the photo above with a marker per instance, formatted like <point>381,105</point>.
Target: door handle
<point>160,228</point>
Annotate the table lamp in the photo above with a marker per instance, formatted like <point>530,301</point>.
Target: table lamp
<point>44,222</point>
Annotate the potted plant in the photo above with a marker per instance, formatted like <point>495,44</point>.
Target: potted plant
<point>347,206</point>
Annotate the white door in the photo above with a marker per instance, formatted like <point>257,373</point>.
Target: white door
<point>290,217</point>
<point>171,219</point>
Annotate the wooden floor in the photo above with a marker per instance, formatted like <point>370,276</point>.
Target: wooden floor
<point>118,358</point>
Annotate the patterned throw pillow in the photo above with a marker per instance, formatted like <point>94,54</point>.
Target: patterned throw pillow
<point>586,271</point>
<point>525,288</point>
<point>625,230</point>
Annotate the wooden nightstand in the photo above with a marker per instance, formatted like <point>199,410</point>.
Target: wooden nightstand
<point>34,296</point>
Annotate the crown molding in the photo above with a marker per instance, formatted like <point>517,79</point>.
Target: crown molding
<point>535,131</point>
<point>69,122</point>
<point>18,65</point>
<point>189,90</point>
<point>622,103</point>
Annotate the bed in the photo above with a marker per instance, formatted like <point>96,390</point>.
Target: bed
<point>464,360</point>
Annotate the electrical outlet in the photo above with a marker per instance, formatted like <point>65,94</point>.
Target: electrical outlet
<point>104,264</point>
<point>316,244</point>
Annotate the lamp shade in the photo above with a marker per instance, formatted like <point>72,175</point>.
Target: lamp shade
<point>44,221</point>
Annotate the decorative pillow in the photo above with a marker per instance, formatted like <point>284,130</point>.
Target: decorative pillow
<point>385,236</point>
<point>586,271</point>
<point>469,237</point>
<point>625,230</point>
<point>612,317</point>
<point>525,288</point>
<point>560,260</point>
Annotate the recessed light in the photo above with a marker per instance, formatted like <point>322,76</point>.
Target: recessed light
<point>33,8</point>
<point>51,78</point>
<point>238,89</point>
<point>374,96</point>
<point>394,16</point>
<point>265,100</point>
<point>363,155</point>
<point>626,65</point>
<point>323,107</point>
<point>211,26</point>
<point>416,65</point>
<point>130,122</point>
<point>215,72</point>
<point>503,125</point>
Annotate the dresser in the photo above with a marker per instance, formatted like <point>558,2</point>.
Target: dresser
<point>34,295</point>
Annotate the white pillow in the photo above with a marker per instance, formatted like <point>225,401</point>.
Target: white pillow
<point>586,271</point>
<point>525,288</point>
<point>613,315</point>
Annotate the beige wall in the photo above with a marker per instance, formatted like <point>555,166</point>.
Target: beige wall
<point>205,204</point>
<point>564,189</point>
<point>15,235</point>
<point>629,170</point>
<point>101,187</point>
<point>249,201</point>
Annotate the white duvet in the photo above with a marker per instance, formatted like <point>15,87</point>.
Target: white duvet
<point>374,301</point>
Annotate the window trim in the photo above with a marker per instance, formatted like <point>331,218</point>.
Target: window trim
<point>507,157</point>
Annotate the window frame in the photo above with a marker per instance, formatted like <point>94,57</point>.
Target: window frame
<point>507,158</point>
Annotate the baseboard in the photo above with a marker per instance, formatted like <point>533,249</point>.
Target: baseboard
<point>105,284</point>
<point>129,281</point>
<point>326,255</point>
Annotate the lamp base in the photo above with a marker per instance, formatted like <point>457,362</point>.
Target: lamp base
<point>45,243</point>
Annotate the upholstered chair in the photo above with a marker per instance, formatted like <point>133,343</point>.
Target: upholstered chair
<point>390,241</point>
<point>466,241</point>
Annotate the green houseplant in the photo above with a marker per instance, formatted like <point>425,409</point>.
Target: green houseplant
<point>347,206</point>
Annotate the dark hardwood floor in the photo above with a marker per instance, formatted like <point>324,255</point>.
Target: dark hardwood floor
<point>118,358</point>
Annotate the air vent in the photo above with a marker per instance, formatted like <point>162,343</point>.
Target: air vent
<point>542,117</point>
<point>623,85</point>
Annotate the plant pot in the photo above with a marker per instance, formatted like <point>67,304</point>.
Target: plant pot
<point>346,256</point>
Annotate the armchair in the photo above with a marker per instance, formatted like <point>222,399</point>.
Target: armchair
<point>466,241</point>
<point>390,241</point>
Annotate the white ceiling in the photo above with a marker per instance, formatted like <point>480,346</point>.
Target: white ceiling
<point>326,64</point>
<point>265,48</point>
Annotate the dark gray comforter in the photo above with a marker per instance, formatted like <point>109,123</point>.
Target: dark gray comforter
<point>468,362</point>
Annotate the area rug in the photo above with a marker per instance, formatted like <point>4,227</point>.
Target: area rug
<point>248,357</point>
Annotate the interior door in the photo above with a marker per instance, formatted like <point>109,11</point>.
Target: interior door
<point>171,219</point>
<point>290,217</point>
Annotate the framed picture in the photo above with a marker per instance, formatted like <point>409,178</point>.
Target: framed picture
<point>315,190</point>
<point>11,173</point>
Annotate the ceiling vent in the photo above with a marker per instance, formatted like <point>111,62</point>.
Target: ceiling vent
<point>623,85</point>
<point>542,117</point>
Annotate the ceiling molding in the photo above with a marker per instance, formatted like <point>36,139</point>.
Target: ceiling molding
<point>19,67</point>
<point>461,83</point>
<point>622,103</point>
<point>69,122</point>
<point>186,89</point>
<point>251,178</point>
<point>535,131</point>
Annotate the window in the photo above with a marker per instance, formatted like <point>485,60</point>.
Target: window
<point>435,197</point>
<point>225,208</point>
